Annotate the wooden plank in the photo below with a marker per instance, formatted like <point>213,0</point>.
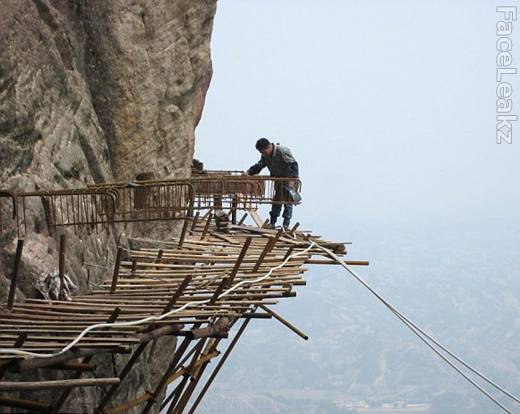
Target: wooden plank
<point>45,385</point>
<point>256,217</point>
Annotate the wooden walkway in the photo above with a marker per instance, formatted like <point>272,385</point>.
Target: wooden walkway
<point>158,280</point>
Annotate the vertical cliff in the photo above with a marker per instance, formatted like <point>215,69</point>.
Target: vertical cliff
<point>92,91</point>
<point>101,88</point>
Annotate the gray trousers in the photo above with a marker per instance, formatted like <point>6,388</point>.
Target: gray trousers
<point>281,195</point>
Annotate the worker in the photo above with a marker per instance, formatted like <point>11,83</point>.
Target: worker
<point>281,163</point>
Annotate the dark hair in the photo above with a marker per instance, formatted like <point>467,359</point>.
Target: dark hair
<point>262,144</point>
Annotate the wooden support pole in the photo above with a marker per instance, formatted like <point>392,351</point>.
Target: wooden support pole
<point>176,374</point>
<point>34,363</point>
<point>219,366</point>
<point>222,285</point>
<point>205,216</point>
<point>175,394</point>
<point>289,252</point>
<point>243,219</point>
<point>196,374</point>
<point>170,370</point>
<point>333,262</point>
<point>191,205</point>
<point>179,391</point>
<point>127,405</point>
<point>234,206</point>
<point>206,226</point>
<point>158,332</point>
<point>241,256</point>
<point>284,322</point>
<point>14,276</point>
<point>74,366</point>
<point>268,247</point>
<point>183,232</point>
<point>61,266</point>
<point>122,375</point>
<point>175,297</point>
<point>218,329</point>
<point>116,270</point>
<point>56,407</point>
<point>29,405</point>
<point>45,385</point>
<point>17,344</point>
<point>255,315</point>
<point>294,228</point>
<point>195,220</point>
<point>142,346</point>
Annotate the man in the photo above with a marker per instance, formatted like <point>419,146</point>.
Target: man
<point>281,163</point>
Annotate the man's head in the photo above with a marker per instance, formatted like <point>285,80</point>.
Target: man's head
<point>264,147</point>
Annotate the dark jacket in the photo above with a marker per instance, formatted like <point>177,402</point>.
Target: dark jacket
<point>280,164</point>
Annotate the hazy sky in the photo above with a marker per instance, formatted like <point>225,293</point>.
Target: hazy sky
<point>389,106</point>
<point>390,109</point>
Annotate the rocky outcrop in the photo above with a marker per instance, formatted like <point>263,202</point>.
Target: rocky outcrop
<point>101,88</point>
<point>93,91</point>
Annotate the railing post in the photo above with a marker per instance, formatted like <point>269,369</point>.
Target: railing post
<point>195,219</point>
<point>268,247</point>
<point>116,270</point>
<point>61,266</point>
<point>241,256</point>
<point>14,276</point>
<point>183,232</point>
<point>206,226</point>
<point>234,207</point>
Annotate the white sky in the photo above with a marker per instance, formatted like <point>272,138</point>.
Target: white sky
<point>389,107</point>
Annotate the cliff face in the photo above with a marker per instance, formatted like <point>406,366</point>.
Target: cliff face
<point>92,91</point>
<point>101,88</point>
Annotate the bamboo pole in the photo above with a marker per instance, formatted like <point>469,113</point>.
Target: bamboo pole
<point>268,247</point>
<point>65,394</point>
<point>171,368</point>
<point>116,270</point>
<point>29,405</point>
<point>285,322</point>
<point>61,265</point>
<point>14,276</point>
<point>45,385</point>
<point>219,366</point>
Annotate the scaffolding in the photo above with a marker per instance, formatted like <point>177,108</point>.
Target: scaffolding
<point>196,287</point>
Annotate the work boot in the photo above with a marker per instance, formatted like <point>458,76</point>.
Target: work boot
<point>272,222</point>
<point>286,224</point>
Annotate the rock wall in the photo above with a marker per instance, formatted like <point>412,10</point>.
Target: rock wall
<point>93,91</point>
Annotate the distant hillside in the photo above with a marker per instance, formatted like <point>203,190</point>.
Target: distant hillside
<point>459,284</point>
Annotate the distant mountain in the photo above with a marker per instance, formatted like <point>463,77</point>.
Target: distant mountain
<point>458,284</point>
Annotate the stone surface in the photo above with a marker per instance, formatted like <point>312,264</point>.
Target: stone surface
<point>93,91</point>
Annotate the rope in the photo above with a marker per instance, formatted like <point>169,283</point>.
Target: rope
<point>153,318</point>
<point>428,339</point>
<point>420,333</point>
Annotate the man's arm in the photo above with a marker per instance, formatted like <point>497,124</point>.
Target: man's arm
<point>256,168</point>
